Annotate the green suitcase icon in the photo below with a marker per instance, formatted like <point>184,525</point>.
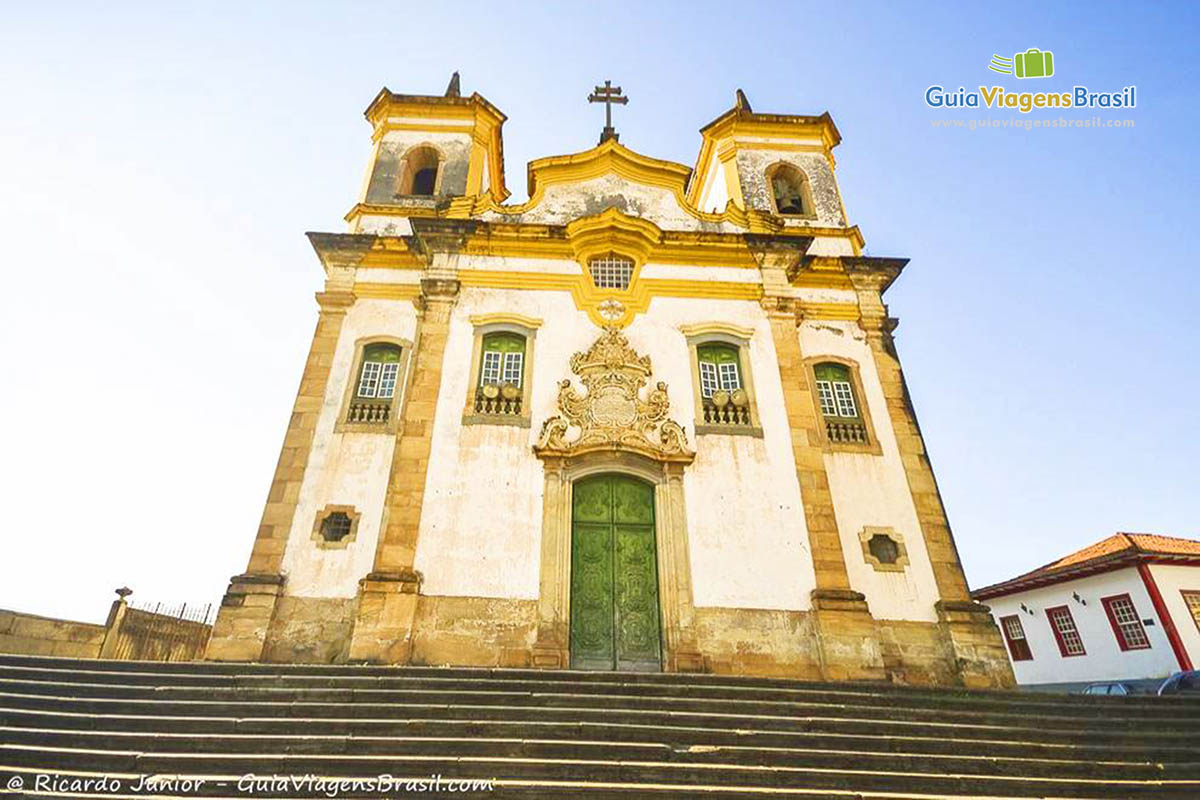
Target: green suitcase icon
<point>1034,63</point>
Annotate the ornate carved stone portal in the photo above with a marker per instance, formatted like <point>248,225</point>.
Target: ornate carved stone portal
<point>610,428</point>
<point>611,414</point>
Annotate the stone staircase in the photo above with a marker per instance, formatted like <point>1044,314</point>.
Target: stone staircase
<point>549,734</point>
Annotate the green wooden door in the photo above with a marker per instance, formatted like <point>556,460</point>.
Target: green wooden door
<point>614,576</point>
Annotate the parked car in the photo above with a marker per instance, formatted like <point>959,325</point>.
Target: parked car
<point>1181,682</point>
<point>1110,688</point>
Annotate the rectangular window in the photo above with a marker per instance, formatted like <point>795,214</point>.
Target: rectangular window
<point>512,368</point>
<point>1191,599</point>
<point>1014,635</point>
<point>845,399</point>
<point>708,379</point>
<point>1065,632</point>
<point>369,382</point>
<point>387,380</point>
<point>825,393</point>
<point>730,379</point>
<point>1126,624</point>
<point>491,367</point>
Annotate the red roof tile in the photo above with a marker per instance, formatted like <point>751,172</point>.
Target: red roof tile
<point>1120,547</point>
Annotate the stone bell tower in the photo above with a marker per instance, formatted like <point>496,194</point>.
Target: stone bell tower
<point>780,164</point>
<point>428,150</point>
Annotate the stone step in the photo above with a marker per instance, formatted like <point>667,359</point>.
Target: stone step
<point>653,771</point>
<point>935,741</point>
<point>384,718</point>
<point>587,707</point>
<point>560,733</point>
<point>1062,765</point>
<point>341,674</point>
<point>92,684</point>
<point>88,785</point>
<point>239,700</point>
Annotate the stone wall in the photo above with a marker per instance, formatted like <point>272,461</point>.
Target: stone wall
<point>756,641</point>
<point>311,630</point>
<point>30,634</point>
<point>473,631</point>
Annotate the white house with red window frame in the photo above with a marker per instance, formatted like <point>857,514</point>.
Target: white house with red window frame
<point>1124,608</point>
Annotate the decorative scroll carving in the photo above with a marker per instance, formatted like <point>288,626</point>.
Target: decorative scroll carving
<point>611,414</point>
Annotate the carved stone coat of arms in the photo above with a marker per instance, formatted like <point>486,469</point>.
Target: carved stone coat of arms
<point>611,414</point>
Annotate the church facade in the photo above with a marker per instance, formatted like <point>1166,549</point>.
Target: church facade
<point>650,419</point>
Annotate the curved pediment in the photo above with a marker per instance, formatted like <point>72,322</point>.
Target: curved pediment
<point>610,176</point>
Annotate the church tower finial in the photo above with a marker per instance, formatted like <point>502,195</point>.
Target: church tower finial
<point>741,103</point>
<point>453,90</point>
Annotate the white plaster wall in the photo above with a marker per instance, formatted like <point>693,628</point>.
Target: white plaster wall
<point>746,533</point>
<point>480,533</point>
<point>344,468</point>
<point>1171,579</point>
<point>1104,659</point>
<point>478,537</point>
<point>873,489</point>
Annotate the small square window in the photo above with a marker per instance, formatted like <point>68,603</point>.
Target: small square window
<point>611,272</point>
<point>884,548</point>
<point>335,527</point>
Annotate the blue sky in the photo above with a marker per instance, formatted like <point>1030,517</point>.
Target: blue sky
<point>161,162</point>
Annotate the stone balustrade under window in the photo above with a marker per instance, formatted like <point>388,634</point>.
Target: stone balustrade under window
<point>499,405</point>
<point>729,414</point>
<point>369,412</point>
<point>846,432</point>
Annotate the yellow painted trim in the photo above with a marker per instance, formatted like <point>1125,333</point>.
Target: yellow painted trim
<point>588,298</point>
<point>733,179</point>
<point>709,328</point>
<point>387,291</point>
<point>389,127</point>
<point>391,252</point>
<point>531,323</point>
<point>845,312</point>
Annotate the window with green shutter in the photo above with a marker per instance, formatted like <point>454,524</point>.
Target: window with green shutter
<point>379,371</point>
<point>840,405</point>
<point>503,360</point>
<point>375,384</point>
<point>836,391</point>
<point>719,368</point>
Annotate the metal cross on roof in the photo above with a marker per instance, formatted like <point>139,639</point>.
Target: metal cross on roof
<point>608,94</point>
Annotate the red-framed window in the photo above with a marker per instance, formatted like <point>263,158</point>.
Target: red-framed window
<point>1065,632</point>
<point>1014,636</point>
<point>1126,624</point>
<point>1191,599</point>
